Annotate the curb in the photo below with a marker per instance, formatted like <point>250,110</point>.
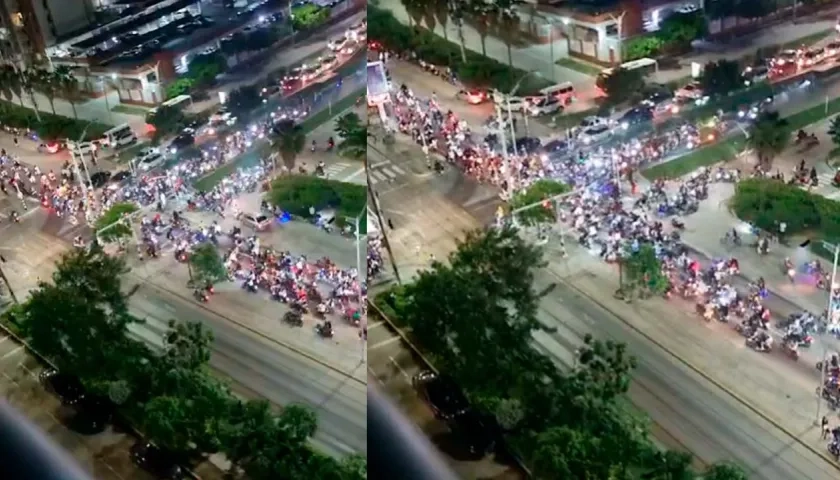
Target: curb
<point>749,405</point>
<point>308,356</point>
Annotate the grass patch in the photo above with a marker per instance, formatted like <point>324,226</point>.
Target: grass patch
<point>719,152</point>
<point>130,109</point>
<point>125,154</point>
<point>567,120</point>
<point>207,182</point>
<point>578,66</point>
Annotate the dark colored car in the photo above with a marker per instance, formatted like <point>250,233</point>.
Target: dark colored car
<point>526,145</point>
<point>100,179</point>
<point>93,414</point>
<point>556,148</point>
<point>478,432</point>
<point>158,462</point>
<point>182,141</point>
<point>443,395</point>
<point>637,115</point>
<point>67,388</point>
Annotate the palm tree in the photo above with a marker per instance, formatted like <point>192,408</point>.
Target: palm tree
<point>485,16</point>
<point>47,84</point>
<point>415,9</point>
<point>769,136</point>
<point>28,83</point>
<point>68,86</point>
<point>439,10</point>
<point>289,140</point>
<point>508,29</point>
<point>9,83</point>
<point>458,8</point>
<point>834,130</point>
<point>353,135</point>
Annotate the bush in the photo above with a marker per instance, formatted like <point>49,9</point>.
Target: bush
<point>50,127</point>
<point>643,46</point>
<point>478,70</point>
<point>765,203</point>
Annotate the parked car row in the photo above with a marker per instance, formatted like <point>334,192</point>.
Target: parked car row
<point>91,415</point>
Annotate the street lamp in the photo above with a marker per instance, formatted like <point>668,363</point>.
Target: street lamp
<point>829,318</point>
<point>73,154</point>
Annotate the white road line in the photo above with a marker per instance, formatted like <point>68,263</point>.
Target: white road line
<point>370,326</point>
<point>384,162</point>
<point>9,354</point>
<point>354,174</point>
<point>384,343</point>
<point>403,372</point>
<point>3,339</point>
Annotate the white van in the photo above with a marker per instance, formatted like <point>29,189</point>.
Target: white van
<point>516,104</point>
<point>565,92</point>
<point>120,136</point>
<point>82,148</point>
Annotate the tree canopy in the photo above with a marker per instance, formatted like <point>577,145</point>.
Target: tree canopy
<point>477,313</point>
<point>296,194</point>
<point>207,265</point>
<point>112,224</point>
<point>622,85</point>
<point>768,136</point>
<point>354,136</point>
<point>642,274</point>
<point>79,321</point>
<point>721,77</point>
<point>539,191</point>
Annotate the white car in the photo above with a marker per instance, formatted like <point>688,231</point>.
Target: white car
<point>146,152</point>
<point>517,104</point>
<point>337,44</point>
<point>258,222</point>
<point>593,121</point>
<point>595,134</point>
<point>545,106</point>
<point>326,64</point>
<point>692,91</point>
<point>151,162</point>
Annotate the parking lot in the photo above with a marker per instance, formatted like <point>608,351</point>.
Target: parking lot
<point>104,455</point>
<point>392,365</point>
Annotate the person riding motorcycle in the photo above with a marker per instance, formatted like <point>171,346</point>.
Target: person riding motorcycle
<point>761,340</point>
<point>790,270</point>
<point>330,143</point>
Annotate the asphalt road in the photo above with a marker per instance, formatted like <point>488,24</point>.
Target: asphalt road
<point>256,367</point>
<point>699,415</point>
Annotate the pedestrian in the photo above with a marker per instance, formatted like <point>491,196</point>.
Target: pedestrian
<point>16,141</point>
<point>825,428</point>
<point>390,224</point>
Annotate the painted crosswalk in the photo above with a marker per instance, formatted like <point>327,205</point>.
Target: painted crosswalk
<point>385,172</point>
<point>824,186</point>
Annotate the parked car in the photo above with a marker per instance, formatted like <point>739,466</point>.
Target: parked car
<point>68,388</point>
<point>157,461</point>
<point>92,416</point>
<point>99,179</point>
<point>442,394</point>
<point>150,163</point>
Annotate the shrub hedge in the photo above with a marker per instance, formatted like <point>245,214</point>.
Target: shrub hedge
<point>478,70</point>
<point>765,203</point>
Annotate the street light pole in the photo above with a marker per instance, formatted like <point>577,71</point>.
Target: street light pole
<point>829,317</point>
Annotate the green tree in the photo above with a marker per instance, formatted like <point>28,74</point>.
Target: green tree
<point>47,84</point>
<point>670,465</point>
<point>416,9</point>
<point>29,81</point>
<point>309,16</point>
<point>354,467</point>
<point>721,77</point>
<point>243,100</point>
<point>181,86</point>
<point>186,346</point>
<point>563,452</point>
<point>296,194</point>
<point>508,24</point>
<point>768,136</point>
<point>539,191</point>
<point>288,140</point>
<point>644,46</point>
<point>483,17</point>
<point>67,86</point>
<point>12,83</point>
<point>724,471</point>
<point>641,274</point>
<point>603,369</point>
<point>622,85</point>
<point>509,413</point>
<point>298,422</point>
<point>207,265</point>
<point>354,136</point>
<point>679,29</point>
<point>167,120</point>
<point>834,130</point>
<point>113,225</point>
<point>249,430</point>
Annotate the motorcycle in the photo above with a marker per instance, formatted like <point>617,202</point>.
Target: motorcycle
<point>834,449</point>
<point>293,319</point>
<point>676,223</point>
<point>201,296</point>
<point>754,344</point>
<point>324,330</point>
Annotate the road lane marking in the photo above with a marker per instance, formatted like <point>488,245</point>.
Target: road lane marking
<point>16,350</point>
<point>370,326</point>
<point>384,343</point>
<point>354,174</point>
<point>400,368</point>
<point>3,339</point>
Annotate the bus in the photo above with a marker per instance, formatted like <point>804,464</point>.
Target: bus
<point>181,101</point>
<point>644,65</point>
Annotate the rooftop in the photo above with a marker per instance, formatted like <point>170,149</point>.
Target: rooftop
<point>133,24</point>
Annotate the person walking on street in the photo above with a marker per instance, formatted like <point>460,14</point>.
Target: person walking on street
<point>825,428</point>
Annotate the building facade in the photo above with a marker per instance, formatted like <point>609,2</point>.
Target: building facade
<point>29,27</point>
